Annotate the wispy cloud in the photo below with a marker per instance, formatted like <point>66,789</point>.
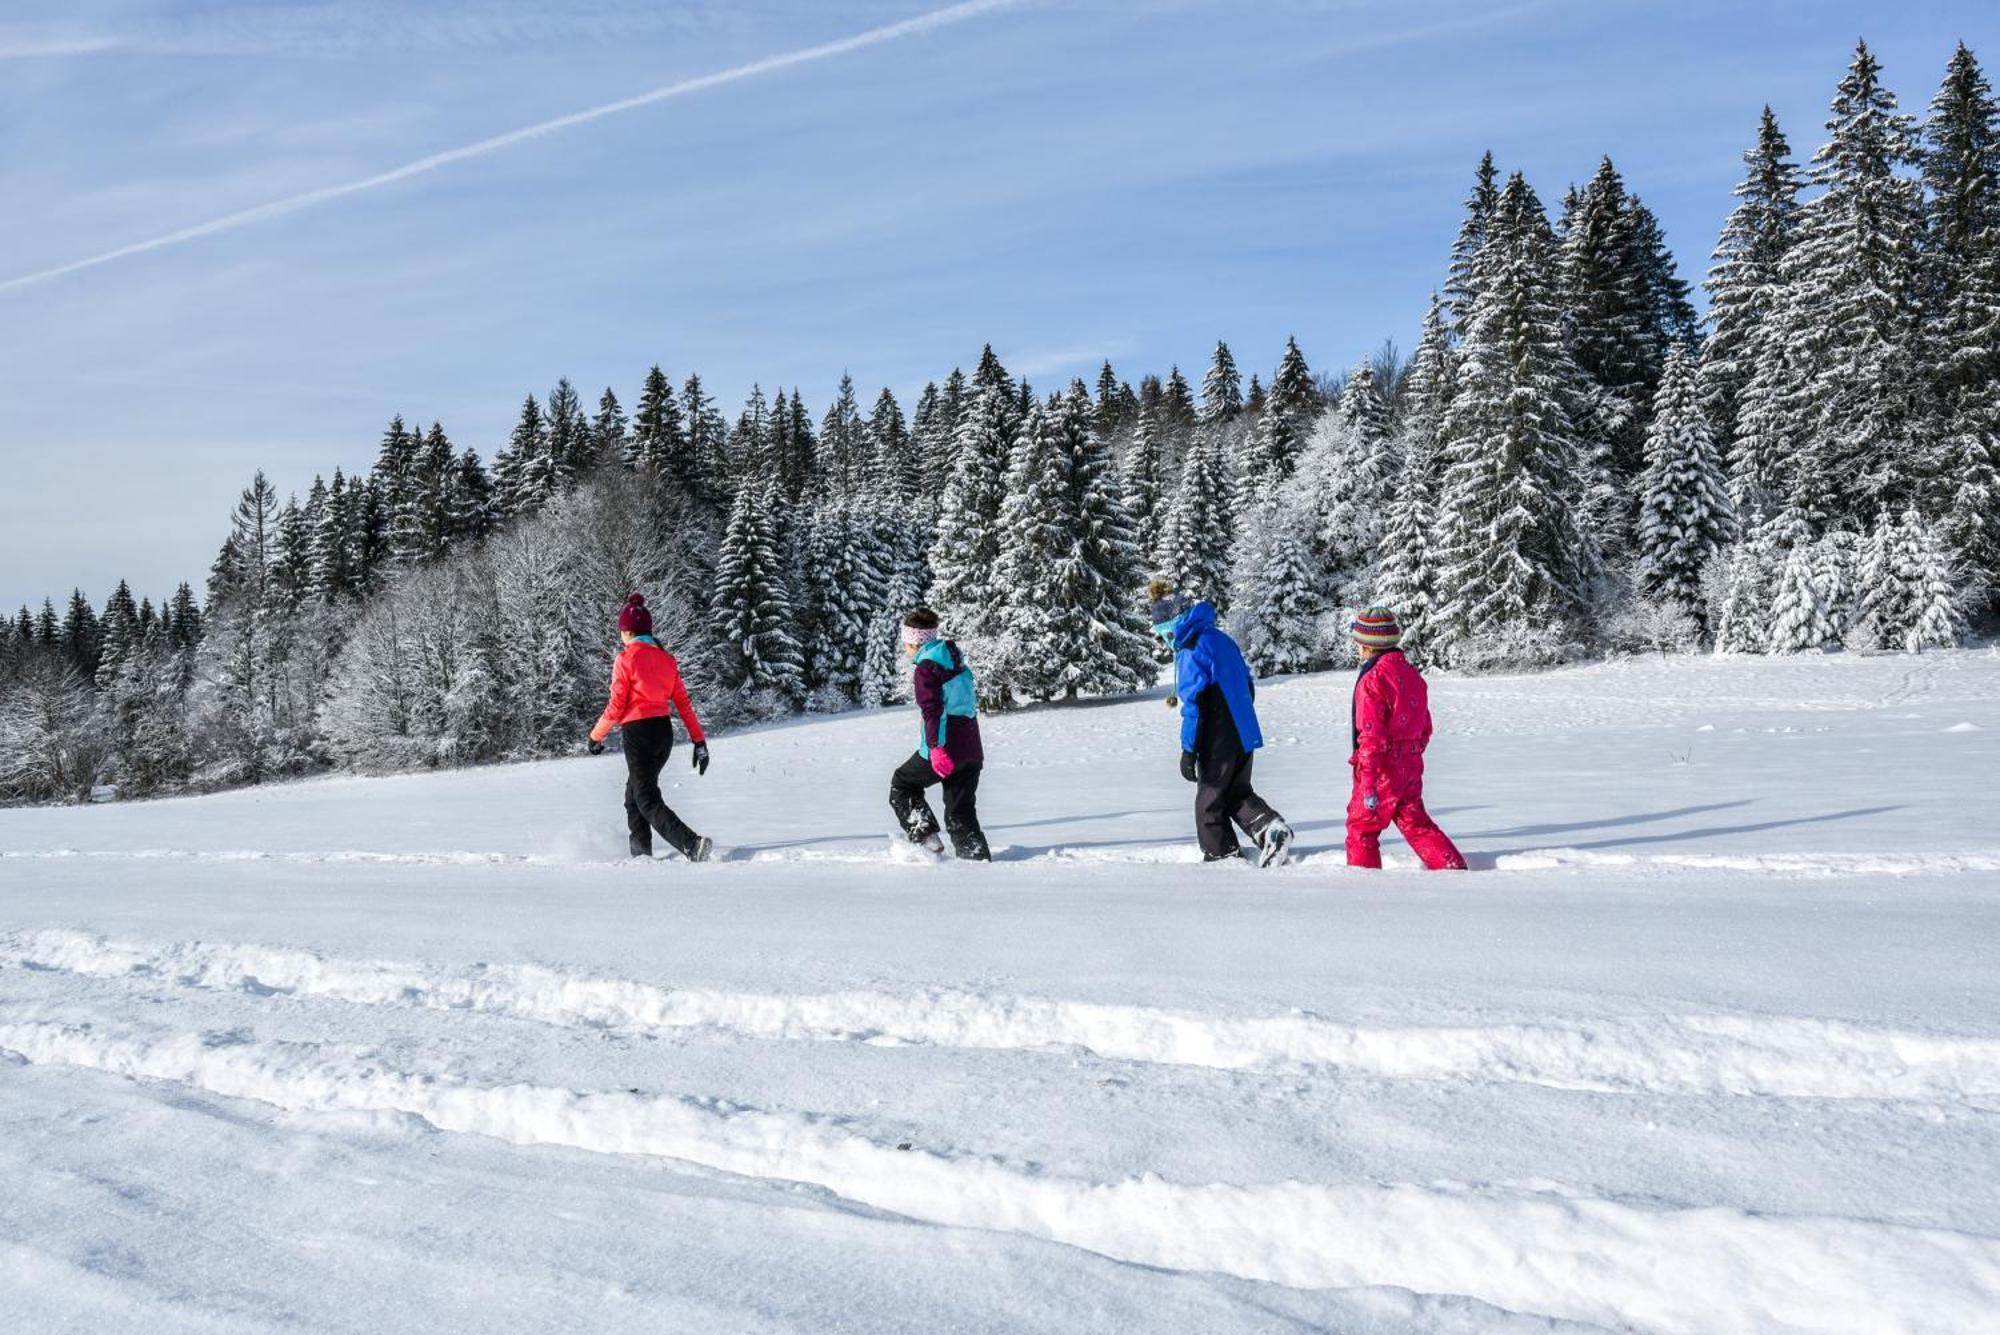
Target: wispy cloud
<point>55,48</point>
<point>911,27</point>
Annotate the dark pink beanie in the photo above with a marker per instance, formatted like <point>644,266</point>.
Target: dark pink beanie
<point>634,617</point>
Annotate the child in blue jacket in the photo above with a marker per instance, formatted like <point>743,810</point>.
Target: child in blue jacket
<point>1219,736</point>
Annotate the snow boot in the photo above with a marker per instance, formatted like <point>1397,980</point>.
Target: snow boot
<point>703,846</point>
<point>1275,845</point>
<point>1223,857</point>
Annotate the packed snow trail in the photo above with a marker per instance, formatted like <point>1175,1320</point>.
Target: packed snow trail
<point>1709,1040</point>
<point>1701,1271</point>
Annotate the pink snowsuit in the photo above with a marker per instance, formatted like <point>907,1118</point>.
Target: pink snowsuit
<point>1392,726</point>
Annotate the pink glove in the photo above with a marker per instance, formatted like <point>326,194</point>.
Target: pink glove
<point>941,764</point>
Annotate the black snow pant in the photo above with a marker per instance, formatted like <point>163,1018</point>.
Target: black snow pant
<point>1223,796</point>
<point>961,806</point>
<point>648,743</point>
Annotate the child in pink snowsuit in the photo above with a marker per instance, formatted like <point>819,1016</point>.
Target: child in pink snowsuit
<point>1392,726</point>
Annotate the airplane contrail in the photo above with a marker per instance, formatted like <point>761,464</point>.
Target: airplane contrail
<point>909,27</point>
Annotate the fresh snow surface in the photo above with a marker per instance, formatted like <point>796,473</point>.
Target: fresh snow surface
<point>1708,1041</point>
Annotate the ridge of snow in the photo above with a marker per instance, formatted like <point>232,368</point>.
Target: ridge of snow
<point>1702,1054</point>
<point>1712,1270</point>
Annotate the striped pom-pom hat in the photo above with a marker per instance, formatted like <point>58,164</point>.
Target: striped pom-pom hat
<point>1377,628</point>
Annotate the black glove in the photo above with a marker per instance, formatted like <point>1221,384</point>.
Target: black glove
<point>701,757</point>
<point>1188,770</point>
<point>596,747</point>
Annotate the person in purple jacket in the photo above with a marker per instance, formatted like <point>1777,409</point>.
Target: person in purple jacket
<point>948,749</point>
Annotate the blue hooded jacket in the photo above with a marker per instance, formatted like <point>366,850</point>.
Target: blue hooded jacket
<point>1205,657</point>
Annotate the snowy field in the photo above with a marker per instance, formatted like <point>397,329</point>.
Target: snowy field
<point>1709,1040</point>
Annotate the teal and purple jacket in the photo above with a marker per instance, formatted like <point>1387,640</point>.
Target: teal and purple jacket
<point>948,699</point>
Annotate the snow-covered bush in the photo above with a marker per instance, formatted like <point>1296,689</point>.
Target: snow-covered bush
<point>1653,626</point>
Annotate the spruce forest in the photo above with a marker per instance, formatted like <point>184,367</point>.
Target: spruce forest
<point>1571,462</point>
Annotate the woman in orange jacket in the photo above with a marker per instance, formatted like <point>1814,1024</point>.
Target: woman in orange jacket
<point>646,688</point>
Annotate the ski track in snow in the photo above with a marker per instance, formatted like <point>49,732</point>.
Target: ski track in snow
<point>1711,1270</point>
<point>1711,1054</point>
<point>1312,860</point>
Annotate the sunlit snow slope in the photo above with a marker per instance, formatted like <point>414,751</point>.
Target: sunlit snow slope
<point>1709,1040</point>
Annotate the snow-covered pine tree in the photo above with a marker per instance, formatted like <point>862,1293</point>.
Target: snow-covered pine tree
<point>1671,318</point>
<point>1345,481</point>
<point>798,445</point>
<point>1035,634</point>
<point>571,450</point>
<point>1461,289</point>
<point>1102,576</point>
<point>752,601</point>
<point>1627,309</point>
<point>930,444</point>
<point>1254,467</point>
<point>1746,289</point>
<point>538,475</point>
<point>1406,573</point>
<point>1289,410</point>
<point>1144,479</point>
<point>1800,618</point>
<point>954,399</point>
<point>1221,389</point>
<point>1605,293</point>
<point>1116,408</point>
<point>82,636</point>
<point>291,560</point>
<point>750,457</point>
<point>1193,540</point>
<point>965,555</point>
<point>1685,517</point>
<point>421,527</point>
<point>469,500</point>
<point>657,440</point>
<point>1961,307</point>
<point>506,479</point>
<point>332,556</point>
<point>393,458</point>
<point>847,585</point>
<point>890,477</point>
<point>1512,553</point>
<point>1848,313</point>
<point>707,439</point>
<point>120,635</point>
<point>1907,602</point>
<point>989,374</point>
<point>1744,591</point>
<point>840,464</point>
<point>1275,608</point>
<point>183,618</point>
<point>609,436</point>
<point>1177,407</point>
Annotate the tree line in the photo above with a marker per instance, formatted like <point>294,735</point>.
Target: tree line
<point>1570,462</point>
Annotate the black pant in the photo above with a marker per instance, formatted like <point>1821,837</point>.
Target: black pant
<point>648,743</point>
<point>1225,798</point>
<point>961,806</point>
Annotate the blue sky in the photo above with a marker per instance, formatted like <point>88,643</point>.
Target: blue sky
<point>1068,180</point>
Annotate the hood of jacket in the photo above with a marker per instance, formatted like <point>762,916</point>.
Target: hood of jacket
<point>1191,623</point>
<point>941,652</point>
